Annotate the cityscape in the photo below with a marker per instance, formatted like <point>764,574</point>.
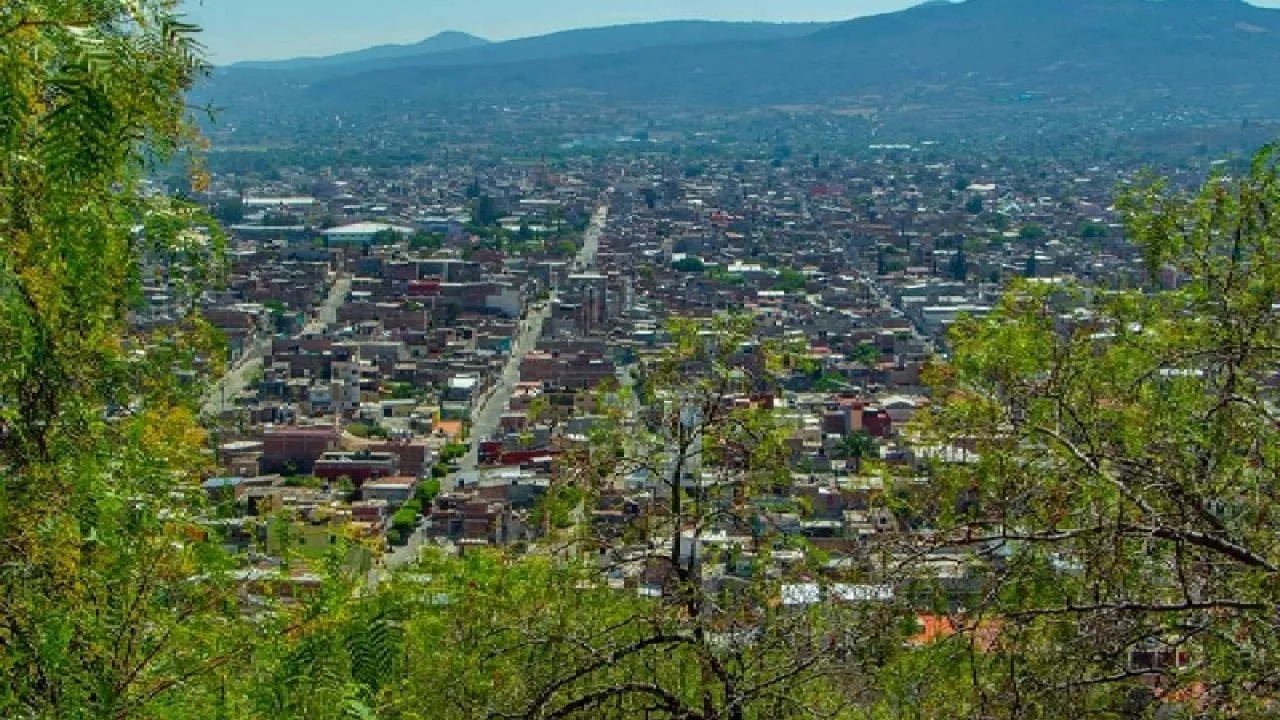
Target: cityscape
<point>685,369</point>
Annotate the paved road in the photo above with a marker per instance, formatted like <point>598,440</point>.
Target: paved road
<point>488,413</point>
<point>327,314</point>
<point>223,393</point>
<point>236,380</point>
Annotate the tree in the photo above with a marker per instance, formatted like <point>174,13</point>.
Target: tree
<point>974,205</point>
<point>865,353</point>
<point>426,491</point>
<point>856,446</point>
<point>1121,470</point>
<point>790,281</point>
<point>110,600</point>
<point>1031,231</point>
<point>424,241</point>
<point>453,452</point>
<point>229,211</point>
<point>1093,231</point>
<point>689,265</point>
<point>698,652</point>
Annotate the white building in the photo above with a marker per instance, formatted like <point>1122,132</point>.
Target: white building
<point>361,234</point>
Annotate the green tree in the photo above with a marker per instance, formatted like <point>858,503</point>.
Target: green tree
<point>689,265</point>
<point>424,241</point>
<point>1093,231</point>
<point>1031,231</point>
<point>453,452</point>
<point>865,353</point>
<point>856,446</point>
<point>1122,470</point>
<point>790,281</point>
<point>111,603</point>
<point>974,205</point>
<point>230,211</point>
<point>707,457</point>
<point>426,491</point>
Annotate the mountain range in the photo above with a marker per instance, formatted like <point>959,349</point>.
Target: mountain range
<point>460,49</point>
<point>440,43</point>
<point>1189,57</point>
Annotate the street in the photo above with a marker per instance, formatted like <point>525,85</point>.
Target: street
<point>237,378</point>
<point>488,413</point>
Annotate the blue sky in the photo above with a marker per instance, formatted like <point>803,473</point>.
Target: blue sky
<point>269,29</point>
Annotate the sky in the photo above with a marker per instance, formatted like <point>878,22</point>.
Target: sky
<point>272,29</point>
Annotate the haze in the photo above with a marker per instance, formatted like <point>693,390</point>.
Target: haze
<point>257,29</point>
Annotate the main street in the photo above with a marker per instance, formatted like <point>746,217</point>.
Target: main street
<point>237,378</point>
<point>488,413</point>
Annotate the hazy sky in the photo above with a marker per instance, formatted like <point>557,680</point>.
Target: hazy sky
<point>268,29</point>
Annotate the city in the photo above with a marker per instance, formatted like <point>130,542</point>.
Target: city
<point>916,364</point>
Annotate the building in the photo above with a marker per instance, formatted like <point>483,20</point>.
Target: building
<point>359,467</point>
<point>360,234</point>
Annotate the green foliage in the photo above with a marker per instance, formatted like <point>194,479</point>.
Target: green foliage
<point>790,281</point>
<point>304,481</point>
<point>426,242</point>
<point>426,491</point>
<point>555,509</point>
<point>689,265</point>
<point>563,249</point>
<point>453,452</point>
<point>368,431</point>
<point>404,521</point>
<point>109,599</point>
<point>229,212</point>
<point>974,205</point>
<point>1127,463</point>
<point>387,237</point>
<point>830,382</point>
<point>1094,231</point>
<point>856,446</point>
<point>403,391</point>
<point>1031,231</point>
<point>865,353</point>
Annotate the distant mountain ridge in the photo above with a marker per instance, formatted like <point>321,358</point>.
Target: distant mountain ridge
<point>1184,57</point>
<point>439,51</point>
<point>447,41</point>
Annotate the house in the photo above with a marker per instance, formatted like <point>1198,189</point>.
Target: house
<point>360,466</point>
<point>392,490</point>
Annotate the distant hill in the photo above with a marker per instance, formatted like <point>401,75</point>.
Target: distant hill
<point>958,61</point>
<point>619,39</point>
<point>441,43</point>
<point>459,49</point>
